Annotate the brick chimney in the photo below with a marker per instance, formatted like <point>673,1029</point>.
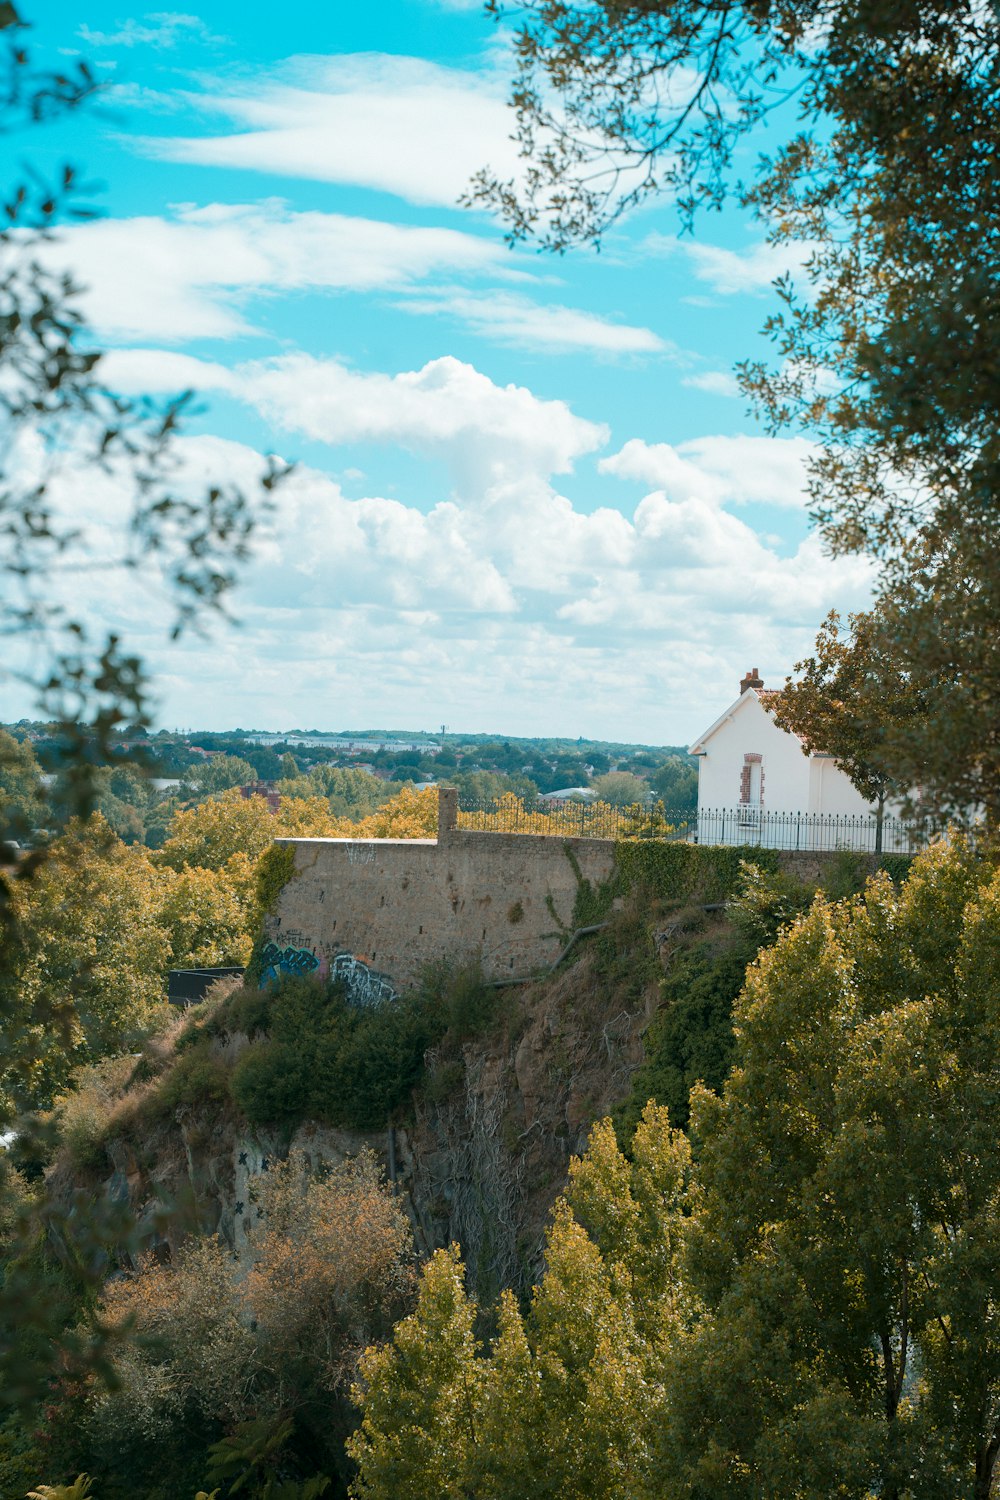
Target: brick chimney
<point>751,680</point>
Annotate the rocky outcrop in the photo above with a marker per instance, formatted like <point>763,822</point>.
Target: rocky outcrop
<point>479,1160</point>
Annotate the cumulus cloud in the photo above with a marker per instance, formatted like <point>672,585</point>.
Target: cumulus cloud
<point>503,601</point>
<point>719,470</point>
<point>447,408</point>
<point>401,125</point>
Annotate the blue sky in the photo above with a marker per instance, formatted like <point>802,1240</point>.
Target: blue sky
<point>528,497</point>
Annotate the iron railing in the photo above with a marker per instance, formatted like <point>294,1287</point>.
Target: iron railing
<point>755,826</point>
<point>809,832</point>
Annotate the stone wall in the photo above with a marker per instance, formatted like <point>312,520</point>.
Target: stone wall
<point>376,911</point>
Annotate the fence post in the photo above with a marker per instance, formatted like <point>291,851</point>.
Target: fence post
<point>447,811</point>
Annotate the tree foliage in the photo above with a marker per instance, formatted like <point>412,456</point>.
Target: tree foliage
<point>82,970</point>
<point>888,356</point>
<point>258,1353</point>
<point>567,1400</point>
<point>854,702</point>
<point>807,1309</point>
<point>621,788</point>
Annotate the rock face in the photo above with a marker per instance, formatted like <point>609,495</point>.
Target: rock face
<point>484,1161</point>
<point>480,1160</point>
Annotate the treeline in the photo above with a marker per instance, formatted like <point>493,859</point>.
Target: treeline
<point>155,776</point>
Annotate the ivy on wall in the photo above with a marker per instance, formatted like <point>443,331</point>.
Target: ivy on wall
<point>705,873</point>
<point>275,868</point>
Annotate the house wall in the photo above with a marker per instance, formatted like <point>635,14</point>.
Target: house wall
<point>792,782</point>
<point>750,730</point>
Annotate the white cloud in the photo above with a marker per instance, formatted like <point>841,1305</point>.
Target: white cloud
<point>194,275</point>
<point>514,319</point>
<point>715,382</point>
<point>485,431</point>
<point>752,269</point>
<point>163,29</point>
<point>719,470</point>
<point>401,125</point>
<point>502,603</point>
<point>190,276</point>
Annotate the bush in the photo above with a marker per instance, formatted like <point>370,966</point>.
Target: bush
<point>215,1345</point>
<point>82,1113</point>
<point>198,1077</point>
<point>325,1060</point>
<point>691,1039</point>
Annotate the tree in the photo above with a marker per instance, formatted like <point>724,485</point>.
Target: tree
<point>408,815</point>
<point>211,834</point>
<point>265,1346</point>
<point>621,788</point>
<point>208,915</point>
<point>83,967</point>
<point>53,404</point>
<point>569,1398</point>
<point>675,784</point>
<point>855,702</point>
<point>940,623</point>
<point>889,357</point>
<point>420,1395</point>
<point>350,793</point>
<point>21,796</point>
<point>63,428</point>
<point>847,1237</point>
<point>218,774</point>
<point>802,1302</point>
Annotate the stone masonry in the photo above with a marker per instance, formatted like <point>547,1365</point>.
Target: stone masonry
<point>376,911</point>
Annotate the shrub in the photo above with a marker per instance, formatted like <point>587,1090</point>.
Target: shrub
<point>198,1077</point>
<point>320,1058</point>
<point>82,1113</point>
<point>690,1039</point>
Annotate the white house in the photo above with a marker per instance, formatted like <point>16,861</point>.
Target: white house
<point>755,785</point>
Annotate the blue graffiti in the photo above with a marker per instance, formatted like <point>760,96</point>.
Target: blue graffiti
<point>276,961</point>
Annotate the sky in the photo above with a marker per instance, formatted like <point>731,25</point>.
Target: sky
<point>528,497</point>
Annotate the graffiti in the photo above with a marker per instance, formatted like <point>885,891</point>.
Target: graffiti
<point>361,854</point>
<point>275,961</point>
<point>362,985</point>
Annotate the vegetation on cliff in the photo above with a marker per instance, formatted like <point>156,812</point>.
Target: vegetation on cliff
<point>490,1088</point>
<point>798,1303</point>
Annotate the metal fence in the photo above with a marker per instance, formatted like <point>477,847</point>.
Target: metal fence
<point>810,832</point>
<point>754,826</point>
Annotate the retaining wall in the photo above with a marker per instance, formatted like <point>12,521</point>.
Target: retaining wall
<point>375,912</point>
